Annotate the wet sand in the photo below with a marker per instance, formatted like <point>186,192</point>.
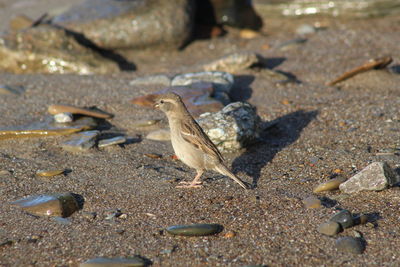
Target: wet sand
<point>317,129</point>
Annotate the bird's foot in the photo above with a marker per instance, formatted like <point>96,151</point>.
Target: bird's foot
<point>190,185</point>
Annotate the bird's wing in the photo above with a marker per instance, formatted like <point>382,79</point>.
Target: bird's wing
<point>192,133</point>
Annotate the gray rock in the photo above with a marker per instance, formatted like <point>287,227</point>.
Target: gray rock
<point>222,81</point>
<point>112,141</point>
<point>64,117</point>
<point>60,205</point>
<point>81,142</point>
<point>349,244</point>
<point>344,218</point>
<point>159,135</point>
<point>233,62</point>
<point>114,262</point>
<point>195,229</point>
<point>375,177</point>
<point>305,29</point>
<point>230,129</point>
<point>114,24</point>
<point>160,79</point>
<point>329,228</point>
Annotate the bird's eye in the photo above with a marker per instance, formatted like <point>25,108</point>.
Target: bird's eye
<point>161,101</point>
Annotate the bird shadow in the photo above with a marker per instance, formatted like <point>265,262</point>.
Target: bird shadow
<point>275,136</point>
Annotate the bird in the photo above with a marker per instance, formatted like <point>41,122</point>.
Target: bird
<point>191,145</point>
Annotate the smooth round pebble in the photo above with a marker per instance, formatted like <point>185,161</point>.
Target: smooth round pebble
<point>117,262</point>
<point>64,117</point>
<point>330,185</point>
<point>329,228</point>
<point>349,244</point>
<point>312,202</point>
<point>159,135</point>
<point>195,229</point>
<point>344,218</point>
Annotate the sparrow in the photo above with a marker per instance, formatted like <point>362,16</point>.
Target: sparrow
<point>191,145</point>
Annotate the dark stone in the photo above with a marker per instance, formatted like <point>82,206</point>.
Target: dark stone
<point>344,218</point>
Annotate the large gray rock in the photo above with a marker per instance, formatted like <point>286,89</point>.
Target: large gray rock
<point>230,129</point>
<point>116,24</point>
<point>375,177</point>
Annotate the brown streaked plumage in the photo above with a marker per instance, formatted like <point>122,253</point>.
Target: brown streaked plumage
<point>192,146</point>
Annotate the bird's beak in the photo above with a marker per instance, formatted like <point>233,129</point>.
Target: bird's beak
<point>156,105</point>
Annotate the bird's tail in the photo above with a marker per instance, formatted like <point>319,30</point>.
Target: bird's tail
<point>225,171</point>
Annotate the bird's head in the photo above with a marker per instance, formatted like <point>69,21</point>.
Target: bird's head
<point>169,103</point>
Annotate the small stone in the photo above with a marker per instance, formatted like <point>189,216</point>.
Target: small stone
<point>20,22</point>
<point>375,177</point>
<point>344,218</point>
<point>329,228</point>
<point>291,44</point>
<point>47,127</point>
<point>248,34</point>
<point>222,81</point>
<point>330,185</point>
<point>5,242</point>
<point>49,173</point>
<point>114,262</point>
<point>349,244</point>
<point>195,229</point>
<point>61,205</point>
<point>305,29</point>
<point>159,135</point>
<point>111,214</point>
<point>56,109</point>
<point>81,142</point>
<point>11,89</point>
<point>64,117</point>
<point>153,155</point>
<point>4,173</point>
<point>159,79</point>
<point>363,219</point>
<point>233,62</point>
<point>312,202</point>
<point>229,234</point>
<point>112,141</point>
<point>232,128</point>
<point>143,123</point>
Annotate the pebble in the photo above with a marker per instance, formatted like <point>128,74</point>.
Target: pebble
<point>114,262</point>
<point>160,79</point>
<point>329,228</point>
<point>56,109</point>
<point>344,218</point>
<point>233,62</point>
<point>159,135</point>
<point>11,89</point>
<point>232,128</point>
<point>143,123</point>
<point>330,185</point>
<point>64,117</point>
<point>229,234</point>
<point>81,142</point>
<point>291,44</point>
<point>349,244</point>
<point>49,173</point>
<point>375,177</point>
<point>112,141</point>
<point>312,202</point>
<point>275,76</point>
<point>248,34</point>
<point>305,29</point>
<point>222,81</point>
<point>47,127</point>
<point>195,229</point>
<point>4,173</point>
<point>60,205</point>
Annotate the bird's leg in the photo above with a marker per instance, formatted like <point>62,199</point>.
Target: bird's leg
<point>193,184</point>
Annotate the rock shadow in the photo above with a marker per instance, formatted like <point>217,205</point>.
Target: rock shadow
<point>241,90</point>
<point>79,199</point>
<point>123,63</point>
<point>275,136</point>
